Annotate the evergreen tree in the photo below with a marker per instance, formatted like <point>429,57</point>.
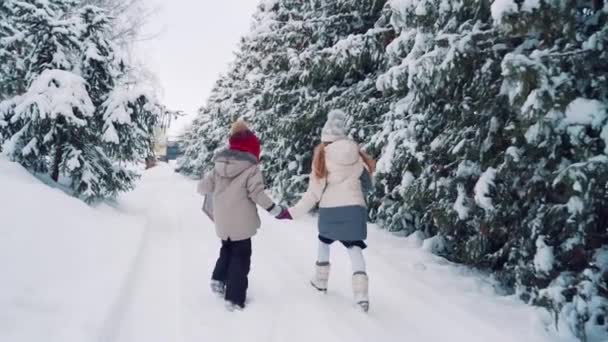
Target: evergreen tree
<point>73,115</point>
<point>100,66</point>
<point>53,40</point>
<point>330,53</point>
<point>9,35</point>
<point>490,119</point>
<point>52,114</point>
<point>130,116</point>
<point>22,60</point>
<point>209,131</point>
<point>104,71</point>
<point>493,145</point>
<point>281,81</point>
<point>11,40</point>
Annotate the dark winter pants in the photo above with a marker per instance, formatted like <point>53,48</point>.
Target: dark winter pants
<point>232,268</point>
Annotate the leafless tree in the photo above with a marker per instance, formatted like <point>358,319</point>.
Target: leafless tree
<point>131,17</point>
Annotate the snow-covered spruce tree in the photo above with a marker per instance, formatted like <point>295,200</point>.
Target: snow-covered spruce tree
<point>78,120</point>
<point>300,60</point>
<point>130,116</point>
<point>200,142</point>
<point>247,85</point>
<point>333,64</point>
<point>486,148</point>
<point>52,115</point>
<point>495,145</point>
<point>52,43</point>
<point>124,117</point>
<point>128,18</point>
<point>19,57</point>
<point>10,71</point>
<point>557,82</point>
<point>185,163</point>
<point>209,131</point>
<point>101,66</point>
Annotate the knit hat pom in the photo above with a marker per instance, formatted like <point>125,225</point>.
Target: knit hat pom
<point>335,127</point>
<point>238,126</point>
<point>243,139</point>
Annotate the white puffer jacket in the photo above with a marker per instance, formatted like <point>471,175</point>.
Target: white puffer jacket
<point>342,186</point>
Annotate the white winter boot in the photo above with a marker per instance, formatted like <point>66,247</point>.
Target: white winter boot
<point>360,290</point>
<point>218,287</point>
<point>321,277</point>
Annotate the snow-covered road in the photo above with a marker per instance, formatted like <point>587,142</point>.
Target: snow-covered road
<point>415,296</point>
<point>139,272</point>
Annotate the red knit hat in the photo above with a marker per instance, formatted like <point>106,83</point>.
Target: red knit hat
<point>245,141</point>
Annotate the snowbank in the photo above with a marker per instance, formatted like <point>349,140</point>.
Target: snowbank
<point>63,263</point>
<point>77,274</point>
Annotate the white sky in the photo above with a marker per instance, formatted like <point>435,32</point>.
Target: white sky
<point>196,42</point>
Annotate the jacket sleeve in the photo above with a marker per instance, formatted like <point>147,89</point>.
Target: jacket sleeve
<point>311,197</point>
<point>255,189</point>
<point>206,185</point>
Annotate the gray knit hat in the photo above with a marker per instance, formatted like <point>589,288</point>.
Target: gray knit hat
<point>335,127</point>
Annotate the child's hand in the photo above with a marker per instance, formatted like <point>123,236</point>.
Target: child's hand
<point>279,212</point>
<point>284,215</point>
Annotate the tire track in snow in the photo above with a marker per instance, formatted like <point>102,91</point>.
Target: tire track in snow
<point>112,324</point>
<point>149,306</point>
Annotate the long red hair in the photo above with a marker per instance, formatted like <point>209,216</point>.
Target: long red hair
<point>319,165</point>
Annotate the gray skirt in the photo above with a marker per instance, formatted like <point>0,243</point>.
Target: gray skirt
<point>347,223</point>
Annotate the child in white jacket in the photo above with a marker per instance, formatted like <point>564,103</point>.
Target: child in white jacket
<point>341,176</point>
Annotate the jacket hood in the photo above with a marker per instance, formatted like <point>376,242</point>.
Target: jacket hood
<point>231,163</point>
<point>343,152</point>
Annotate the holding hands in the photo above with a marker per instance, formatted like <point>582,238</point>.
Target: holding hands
<point>280,212</point>
<point>284,215</point>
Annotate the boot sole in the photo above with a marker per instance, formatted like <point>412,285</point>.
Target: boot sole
<point>318,288</point>
<point>218,293</point>
<point>234,308</point>
<point>364,306</point>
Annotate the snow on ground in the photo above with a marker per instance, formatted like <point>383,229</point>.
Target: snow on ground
<point>64,263</point>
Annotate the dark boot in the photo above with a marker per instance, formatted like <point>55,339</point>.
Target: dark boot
<point>238,271</point>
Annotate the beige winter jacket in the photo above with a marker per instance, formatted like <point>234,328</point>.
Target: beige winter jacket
<point>343,185</point>
<point>236,185</point>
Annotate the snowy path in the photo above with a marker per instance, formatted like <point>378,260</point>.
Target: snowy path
<point>414,295</point>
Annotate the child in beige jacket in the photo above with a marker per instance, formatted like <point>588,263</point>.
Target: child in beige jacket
<point>236,187</point>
